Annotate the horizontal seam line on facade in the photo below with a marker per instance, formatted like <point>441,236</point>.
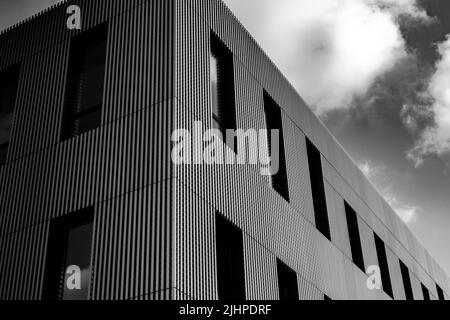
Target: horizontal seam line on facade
<point>270,188</point>
<point>93,204</point>
<point>104,125</point>
<point>268,60</point>
<point>255,171</point>
<point>257,241</point>
<point>324,127</point>
<point>410,269</point>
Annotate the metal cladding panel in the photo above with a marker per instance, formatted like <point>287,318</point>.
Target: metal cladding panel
<point>268,219</point>
<point>396,275</point>
<point>217,17</point>
<point>123,168</point>
<point>249,104</point>
<point>48,28</point>
<point>132,80</point>
<point>123,224</point>
<point>261,270</point>
<point>246,198</point>
<point>338,220</point>
<point>154,234</point>
<point>306,291</point>
<point>416,287</point>
<point>369,223</point>
<point>368,244</point>
<point>22,264</point>
<point>132,245</point>
<point>194,250</point>
<point>361,291</point>
<point>298,169</point>
<point>40,100</point>
<point>94,167</point>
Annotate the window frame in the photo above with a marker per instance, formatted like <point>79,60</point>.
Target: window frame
<point>229,248</point>
<point>287,287</point>
<point>386,281</point>
<point>406,278</point>
<point>226,117</point>
<point>8,74</point>
<point>274,121</point>
<point>354,237</point>
<point>57,248</point>
<point>319,198</point>
<point>79,46</point>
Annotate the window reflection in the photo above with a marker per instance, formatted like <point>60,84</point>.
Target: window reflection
<point>78,254</point>
<point>85,82</point>
<point>68,264</point>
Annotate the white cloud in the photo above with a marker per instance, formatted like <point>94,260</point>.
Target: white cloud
<point>407,213</point>
<point>331,50</point>
<point>435,140</point>
<point>379,175</point>
<point>369,170</point>
<point>404,8</point>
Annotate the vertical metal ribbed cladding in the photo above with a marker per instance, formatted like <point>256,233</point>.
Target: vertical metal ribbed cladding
<point>123,168</point>
<point>154,231</point>
<point>285,230</point>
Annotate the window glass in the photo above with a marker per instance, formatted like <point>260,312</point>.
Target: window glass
<point>85,82</point>
<point>214,87</point>
<point>406,281</point>
<point>79,255</point>
<point>318,189</point>
<point>9,79</point>
<point>274,121</point>
<point>383,264</point>
<point>355,240</point>
<point>68,262</point>
<point>426,293</point>
<point>287,282</point>
<point>230,260</point>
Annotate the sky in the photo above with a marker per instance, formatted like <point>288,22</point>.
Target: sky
<point>377,72</point>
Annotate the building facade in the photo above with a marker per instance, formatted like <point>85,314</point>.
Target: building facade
<point>88,186</point>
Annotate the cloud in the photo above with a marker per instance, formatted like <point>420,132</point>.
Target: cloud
<point>407,213</point>
<point>332,50</point>
<point>380,176</point>
<point>434,140</point>
<point>369,170</point>
<point>404,8</point>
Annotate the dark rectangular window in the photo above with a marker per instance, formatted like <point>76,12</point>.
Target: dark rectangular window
<point>85,81</point>
<point>426,293</point>
<point>383,264</point>
<point>275,122</point>
<point>222,89</point>
<point>406,281</point>
<point>355,240</point>
<point>287,282</point>
<point>9,80</point>
<point>440,293</point>
<point>230,260</point>
<point>68,264</point>
<point>318,189</point>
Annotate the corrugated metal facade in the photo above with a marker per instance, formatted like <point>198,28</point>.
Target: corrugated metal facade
<point>154,231</point>
<point>123,168</point>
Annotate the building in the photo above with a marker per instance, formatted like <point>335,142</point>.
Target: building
<point>87,179</point>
